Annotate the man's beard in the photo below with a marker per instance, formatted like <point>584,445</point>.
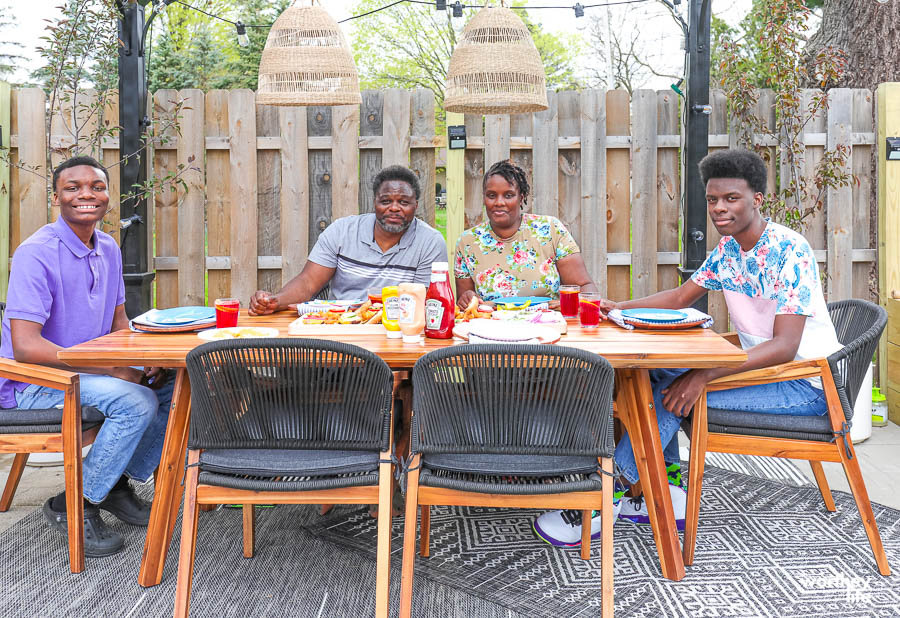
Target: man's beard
<point>393,228</point>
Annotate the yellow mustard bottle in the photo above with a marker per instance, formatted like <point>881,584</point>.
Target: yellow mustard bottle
<point>390,303</point>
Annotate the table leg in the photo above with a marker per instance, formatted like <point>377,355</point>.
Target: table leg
<point>634,403</point>
<point>168,489</point>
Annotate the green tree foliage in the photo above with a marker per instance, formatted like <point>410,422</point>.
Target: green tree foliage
<point>409,46</point>
<point>242,66</point>
<point>773,57</point>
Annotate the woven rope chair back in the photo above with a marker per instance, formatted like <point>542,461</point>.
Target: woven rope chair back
<point>495,68</point>
<point>306,61</point>
<point>859,325</point>
<point>288,393</point>
<point>513,399</point>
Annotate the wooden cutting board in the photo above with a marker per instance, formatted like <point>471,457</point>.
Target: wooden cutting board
<point>297,327</point>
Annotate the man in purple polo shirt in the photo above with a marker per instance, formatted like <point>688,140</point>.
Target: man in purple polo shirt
<point>66,288</point>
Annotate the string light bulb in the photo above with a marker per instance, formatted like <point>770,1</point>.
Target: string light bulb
<point>457,9</point>
<point>243,39</point>
<point>579,10</point>
<point>441,5</point>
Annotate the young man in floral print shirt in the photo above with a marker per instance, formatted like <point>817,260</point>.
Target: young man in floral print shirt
<point>770,280</point>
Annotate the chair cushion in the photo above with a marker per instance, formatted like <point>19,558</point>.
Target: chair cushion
<point>769,425</point>
<point>287,462</point>
<point>18,420</point>
<point>518,465</point>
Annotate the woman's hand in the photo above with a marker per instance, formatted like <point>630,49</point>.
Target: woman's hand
<point>464,299</point>
<point>685,390</point>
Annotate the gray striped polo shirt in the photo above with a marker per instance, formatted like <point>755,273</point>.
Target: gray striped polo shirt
<point>348,245</point>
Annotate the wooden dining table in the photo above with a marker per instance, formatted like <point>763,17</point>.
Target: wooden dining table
<point>632,352</point>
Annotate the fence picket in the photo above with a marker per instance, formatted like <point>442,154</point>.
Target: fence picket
<point>643,194</point>
<point>345,161</point>
<point>718,124</point>
<point>475,169</point>
<point>109,157</point>
<point>165,203</point>
<point>814,227</point>
<point>668,187</point>
<point>496,138</point>
<point>593,185</point>
<point>395,144</point>
<point>319,123</point>
<point>569,164</point>
<point>5,187</point>
<point>618,183</point>
<point>33,178</point>
<point>864,199</point>
<point>218,191</point>
<point>191,202</point>
<point>268,178</point>
<point>422,160</point>
<point>242,137</point>
<point>546,159</point>
<point>371,122</point>
<point>839,210</point>
<point>294,191</point>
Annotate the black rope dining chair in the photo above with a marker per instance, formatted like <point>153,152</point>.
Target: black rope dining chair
<point>859,325</point>
<point>521,426</point>
<point>287,421</point>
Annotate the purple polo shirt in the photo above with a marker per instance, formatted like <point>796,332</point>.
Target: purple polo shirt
<point>58,282</point>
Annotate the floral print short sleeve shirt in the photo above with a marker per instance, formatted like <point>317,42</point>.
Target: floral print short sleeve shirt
<point>524,265</point>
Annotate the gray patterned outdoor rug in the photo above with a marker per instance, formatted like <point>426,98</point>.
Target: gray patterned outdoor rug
<point>765,548</point>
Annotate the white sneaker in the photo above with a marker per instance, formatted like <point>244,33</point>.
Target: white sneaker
<point>563,528</point>
<point>634,509</point>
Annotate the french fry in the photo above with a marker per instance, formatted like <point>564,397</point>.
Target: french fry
<point>471,309</point>
<point>375,319</point>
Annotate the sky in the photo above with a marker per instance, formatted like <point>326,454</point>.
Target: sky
<point>659,35</point>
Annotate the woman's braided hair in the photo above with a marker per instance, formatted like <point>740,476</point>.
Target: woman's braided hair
<point>512,173</point>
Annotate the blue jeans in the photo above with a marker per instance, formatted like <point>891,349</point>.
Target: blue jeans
<point>793,397</point>
<point>130,440</point>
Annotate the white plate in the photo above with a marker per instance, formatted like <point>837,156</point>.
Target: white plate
<point>506,332</point>
<point>238,332</point>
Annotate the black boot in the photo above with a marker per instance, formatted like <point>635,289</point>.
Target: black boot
<point>125,505</point>
<point>98,539</point>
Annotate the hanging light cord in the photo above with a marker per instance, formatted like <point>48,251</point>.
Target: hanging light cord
<point>465,6</point>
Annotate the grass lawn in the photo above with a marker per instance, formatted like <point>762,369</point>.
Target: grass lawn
<point>440,221</point>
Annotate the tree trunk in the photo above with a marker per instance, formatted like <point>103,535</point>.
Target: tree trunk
<point>869,33</point>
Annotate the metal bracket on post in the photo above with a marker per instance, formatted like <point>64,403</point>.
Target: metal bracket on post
<point>136,240</point>
<point>696,140</point>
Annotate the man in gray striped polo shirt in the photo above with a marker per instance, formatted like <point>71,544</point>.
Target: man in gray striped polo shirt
<point>373,250</point>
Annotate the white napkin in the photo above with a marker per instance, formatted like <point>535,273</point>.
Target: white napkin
<point>692,315</point>
<point>476,339</point>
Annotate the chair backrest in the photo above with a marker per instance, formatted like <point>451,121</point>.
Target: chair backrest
<point>513,399</point>
<point>289,393</point>
<point>859,325</point>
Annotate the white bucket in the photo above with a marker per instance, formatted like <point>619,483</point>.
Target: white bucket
<point>862,410</point>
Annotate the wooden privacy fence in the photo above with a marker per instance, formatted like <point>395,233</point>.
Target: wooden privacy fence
<point>263,182</point>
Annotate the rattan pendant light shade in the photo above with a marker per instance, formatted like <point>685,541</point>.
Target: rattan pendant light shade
<point>495,68</point>
<point>306,61</point>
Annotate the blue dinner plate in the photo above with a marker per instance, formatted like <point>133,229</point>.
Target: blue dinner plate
<point>659,316</point>
<point>518,301</point>
<point>179,315</point>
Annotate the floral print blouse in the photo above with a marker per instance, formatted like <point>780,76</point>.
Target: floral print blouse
<point>524,265</point>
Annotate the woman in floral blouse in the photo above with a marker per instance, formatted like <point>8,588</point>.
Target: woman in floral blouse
<point>514,253</point>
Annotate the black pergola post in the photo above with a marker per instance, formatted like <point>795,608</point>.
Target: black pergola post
<point>696,140</point>
<point>136,233</point>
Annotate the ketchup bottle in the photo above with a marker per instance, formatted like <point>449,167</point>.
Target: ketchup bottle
<point>439,303</point>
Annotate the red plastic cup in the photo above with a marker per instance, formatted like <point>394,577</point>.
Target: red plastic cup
<point>227,312</point>
<point>568,300</point>
<point>589,309</point>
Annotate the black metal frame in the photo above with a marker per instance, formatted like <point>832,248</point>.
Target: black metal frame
<point>696,142</point>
